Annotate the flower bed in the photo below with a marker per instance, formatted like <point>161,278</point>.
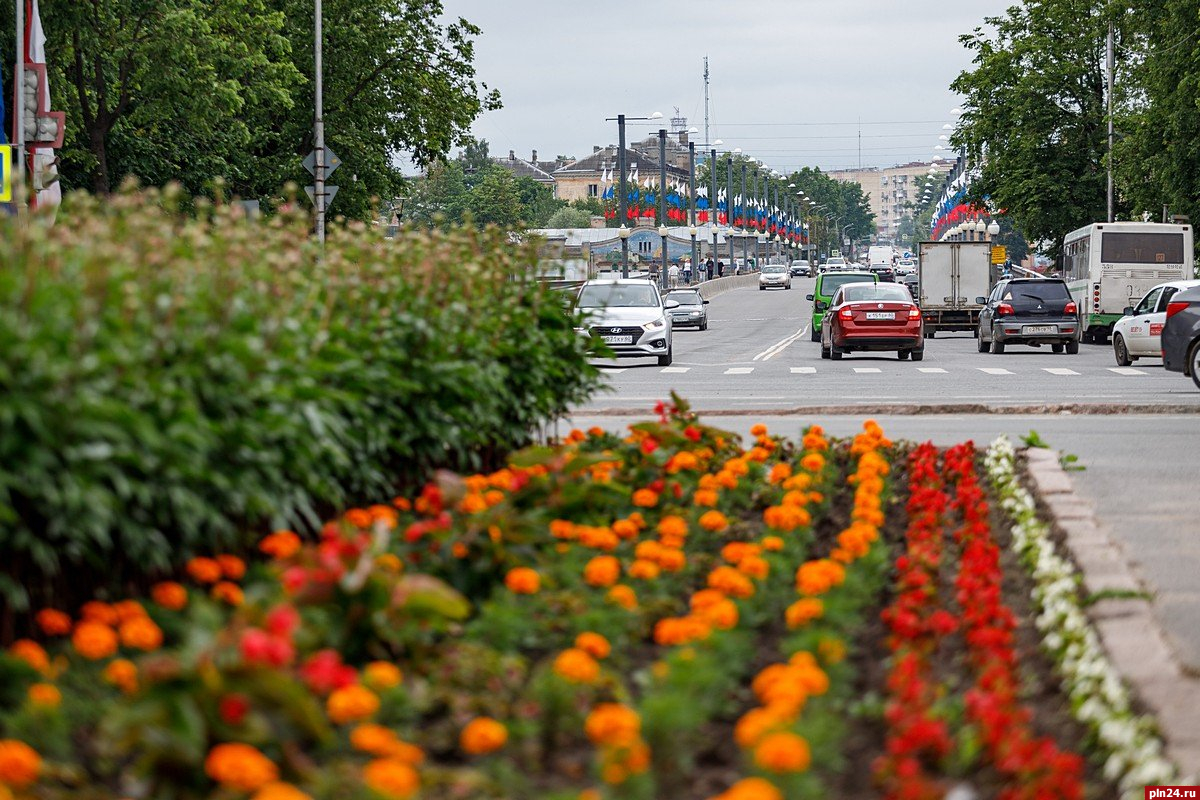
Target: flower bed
<point>662,614</point>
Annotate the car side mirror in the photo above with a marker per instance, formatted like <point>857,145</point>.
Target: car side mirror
<point>981,300</point>
<point>808,297</point>
<point>1128,312</point>
<point>705,302</point>
<point>671,304</point>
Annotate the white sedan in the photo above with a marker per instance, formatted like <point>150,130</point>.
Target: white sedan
<point>1138,334</point>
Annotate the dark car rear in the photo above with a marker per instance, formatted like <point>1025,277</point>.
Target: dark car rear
<point>1029,311</point>
<point>1181,334</point>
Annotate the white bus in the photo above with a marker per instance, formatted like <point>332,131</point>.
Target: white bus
<point>1109,265</point>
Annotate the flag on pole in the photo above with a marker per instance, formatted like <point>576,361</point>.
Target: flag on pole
<point>41,159</point>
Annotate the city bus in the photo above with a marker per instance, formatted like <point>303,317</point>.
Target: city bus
<point>1110,265</point>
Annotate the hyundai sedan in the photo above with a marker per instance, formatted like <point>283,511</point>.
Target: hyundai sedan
<point>629,316</point>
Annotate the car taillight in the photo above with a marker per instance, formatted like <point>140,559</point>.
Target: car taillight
<point>1071,308</point>
<point>1175,306</point>
<point>914,313</point>
<point>846,313</point>
<point>1004,310</point>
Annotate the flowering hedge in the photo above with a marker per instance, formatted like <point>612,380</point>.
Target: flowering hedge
<point>170,381</point>
<point>661,614</point>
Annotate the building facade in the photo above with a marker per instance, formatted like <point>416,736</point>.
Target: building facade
<point>893,191</point>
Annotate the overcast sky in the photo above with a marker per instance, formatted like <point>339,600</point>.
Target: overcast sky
<point>790,80</point>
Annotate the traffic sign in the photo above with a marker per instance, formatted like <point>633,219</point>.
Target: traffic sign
<point>999,254</point>
<point>330,191</point>
<point>5,173</point>
<point>332,162</point>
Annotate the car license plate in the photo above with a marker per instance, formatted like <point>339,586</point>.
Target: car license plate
<point>1033,330</point>
<point>617,339</point>
<point>881,315</point>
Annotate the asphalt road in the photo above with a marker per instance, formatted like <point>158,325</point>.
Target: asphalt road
<point>757,364</point>
<point>758,355</point>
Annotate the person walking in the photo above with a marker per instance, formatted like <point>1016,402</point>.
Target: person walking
<point>708,268</point>
<point>673,275</point>
<point>687,273</point>
<point>720,269</point>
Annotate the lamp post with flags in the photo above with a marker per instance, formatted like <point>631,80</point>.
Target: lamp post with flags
<point>622,178</point>
<point>662,201</point>
<point>730,219</point>
<point>692,205</point>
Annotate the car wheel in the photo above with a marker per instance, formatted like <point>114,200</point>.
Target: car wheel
<point>983,346</point>
<point>762,288</point>
<point>704,325</point>
<point>997,346</point>
<point>665,361</point>
<point>930,333</point>
<point>918,355</point>
<point>1072,347</point>
<point>824,351</point>
<point>1194,363</point>
<point>902,355</point>
<point>1056,348</point>
<point>816,334</point>
<point>834,352</point>
<point>1120,351</point>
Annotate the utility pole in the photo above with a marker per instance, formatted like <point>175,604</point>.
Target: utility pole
<point>623,200</point>
<point>707,138</point>
<point>318,127</point>
<point>712,210</point>
<point>662,200</point>
<point>1111,67</point>
<point>729,210</point>
<point>692,206</point>
<point>18,164</point>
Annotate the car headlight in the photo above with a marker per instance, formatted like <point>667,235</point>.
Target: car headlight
<point>654,324</point>
<point>695,313</point>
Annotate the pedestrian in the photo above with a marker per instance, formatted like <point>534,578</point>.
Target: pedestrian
<point>687,273</point>
<point>673,274</point>
<point>720,269</point>
<point>708,268</point>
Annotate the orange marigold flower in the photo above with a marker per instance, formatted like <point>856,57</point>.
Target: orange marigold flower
<point>482,735</point>
<point>804,611</point>
<point>647,551</point>
<point>722,615</point>
<point>232,567</point>
<point>128,609</point>
<point>31,653</point>
<point>706,498</point>
<point>45,695</point>
<point>389,562</point>
<point>123,674</point>
<point>141,633</point>
<point>751,789</point>
<point>673,525</point>
<point>772,544</point>
<point>94,641</point>
<point>358,518</point>
<point>813,462</point>
<point>831,650</point>
<point>278,790</point>
<point>623,596</point>
<point>672,631</point>
<point>731,582</point>
<point>576,666</point>
<point>459,550</point>
<point>96,611</point>
<point>672,559</point>
<point>754,566</point>
<point>204,570</point>
<point>713,521</point>
<point>373,738</point>
<point>783,752</point>
<point>819,576</point>
<point>351,703</point>
<point>170,595</point>
<point>382,675</point>
<point>598,538</point>
<point>680,462</point>
<point>602,571</point>
<point>613,725</point>
<point>755,724</point>
<point>641,569</point>
<point>229,593</point>
<point>705,598</point>
<point>391,778</point>
<point>798,482</point>
<point>645,498</point>
<point>53,622</point>
<point>758,430</point>
<point>280,545</point>
<point>563,529</point>
<point>19,764</point>
<point>522,580</point>
<point>625,528</point>
<point>593,644</point>
<point>780,472</point>
<point>240,767</point>
<point>472,503</point>
<point>736,551</point>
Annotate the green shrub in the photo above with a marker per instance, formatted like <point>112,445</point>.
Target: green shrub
<point>169,383</point>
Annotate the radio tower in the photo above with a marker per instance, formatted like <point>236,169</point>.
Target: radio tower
<point>707,138</point>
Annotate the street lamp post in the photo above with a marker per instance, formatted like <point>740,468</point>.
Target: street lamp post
<point>745,255</point>
<point>712,209</point>
<point>729,218</point>
<point>623,199</point>
<point>662,201</point>
<point>663,230</point>
<point>692,204</point>
<point>694,231</point>
<point>318,123</point>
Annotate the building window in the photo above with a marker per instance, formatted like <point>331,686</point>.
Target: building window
<point>593,190</point>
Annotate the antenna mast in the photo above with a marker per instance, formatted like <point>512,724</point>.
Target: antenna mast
<point>707,138</point>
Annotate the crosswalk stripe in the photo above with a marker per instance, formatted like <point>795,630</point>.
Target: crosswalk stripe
<point>739,370</point>
<point>862,370</point>
<point>1126,371</point>
<point>994,370</point>
<point>675,370</point>
<point>613,370</point>
<point>1060,371</point>
<point>804,370</point>
<point>931,370</point>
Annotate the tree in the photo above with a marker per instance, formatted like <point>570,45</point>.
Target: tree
<point>439,198</point>
<point>496,200</point>
<point>1034,116</point>
<point>569,218</point>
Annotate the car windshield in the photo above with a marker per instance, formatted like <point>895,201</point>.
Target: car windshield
<point>618,295</point>
<point>862,292</point>
<point>1038,291</point>
<point>773,270</point>
<point>836,262</point>
<point>685,298</point>
<point>832,282</point>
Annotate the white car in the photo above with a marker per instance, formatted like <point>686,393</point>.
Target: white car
<point>629,316</point>
<point>774,276</point>
<point>1138,334</point>
<point>906,267</point>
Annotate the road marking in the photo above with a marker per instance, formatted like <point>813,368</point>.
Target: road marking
<point>994,370</point>
<point>862,370</point>
<point>779,347</point>
<point>804,370</point>
<point>1126,371</point>
<point>613,370</point>
<point>931,370</point>
<point>739,370</point>
<point>674,370</point>
<point>1060,371</point>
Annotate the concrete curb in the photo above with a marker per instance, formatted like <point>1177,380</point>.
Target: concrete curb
<point>1135,642</point>
<point>919,409</point>
<point>716,286</point>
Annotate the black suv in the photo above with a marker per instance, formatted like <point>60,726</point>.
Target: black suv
<point>1032,311</point>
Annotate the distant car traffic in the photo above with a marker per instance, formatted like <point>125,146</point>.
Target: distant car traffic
<point>774,276</point>
<point>911,282</point>
<point>906,266</point>
<point>1181,334</point>
<point>885,274</point>
<point>827,284</point>
<point>836,262</point>
<point>800,269</point>
<point>873,317</point>
<point>629,316</point>
<point>1029,311</point>
<point>691,311</point>
<point>1138,334</point>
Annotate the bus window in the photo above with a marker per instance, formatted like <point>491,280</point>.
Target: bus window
<point>1141,248</point>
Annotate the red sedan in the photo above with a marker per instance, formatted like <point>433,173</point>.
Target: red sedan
<point>873,316</point>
